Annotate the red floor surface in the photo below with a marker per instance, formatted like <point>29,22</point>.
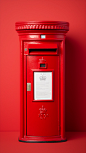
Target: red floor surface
<point>76,143</point>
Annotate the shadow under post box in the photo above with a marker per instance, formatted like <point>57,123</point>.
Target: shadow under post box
<point>75,86</point>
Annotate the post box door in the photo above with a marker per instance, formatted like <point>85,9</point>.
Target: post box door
<point>42,96</point>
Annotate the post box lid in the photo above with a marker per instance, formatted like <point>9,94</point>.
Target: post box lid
<point>42,25</point>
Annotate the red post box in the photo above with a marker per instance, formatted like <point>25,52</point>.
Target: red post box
<point>42,80</point>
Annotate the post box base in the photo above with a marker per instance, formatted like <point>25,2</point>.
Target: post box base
<point>35,139</point>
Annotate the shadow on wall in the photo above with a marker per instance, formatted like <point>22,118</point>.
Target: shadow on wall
<point>75,86</point>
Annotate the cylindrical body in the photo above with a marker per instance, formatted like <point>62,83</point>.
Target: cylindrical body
<point>42,80</point>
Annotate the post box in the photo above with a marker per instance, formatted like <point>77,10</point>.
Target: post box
<point>42,80</point>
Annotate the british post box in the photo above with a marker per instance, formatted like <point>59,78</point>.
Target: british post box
<point>42,80</point>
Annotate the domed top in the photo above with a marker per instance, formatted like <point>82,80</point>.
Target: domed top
<point>44,25</point>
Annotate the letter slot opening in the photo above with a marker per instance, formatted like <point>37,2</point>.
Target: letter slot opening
<point>43,51</point>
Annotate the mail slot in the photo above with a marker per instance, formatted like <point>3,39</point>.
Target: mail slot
<point>42,80</point>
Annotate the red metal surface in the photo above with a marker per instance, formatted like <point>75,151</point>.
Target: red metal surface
<point>38,127</point>
<point>42,119</point>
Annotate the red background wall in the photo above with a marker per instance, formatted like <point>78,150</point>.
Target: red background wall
<point>25,10</point>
